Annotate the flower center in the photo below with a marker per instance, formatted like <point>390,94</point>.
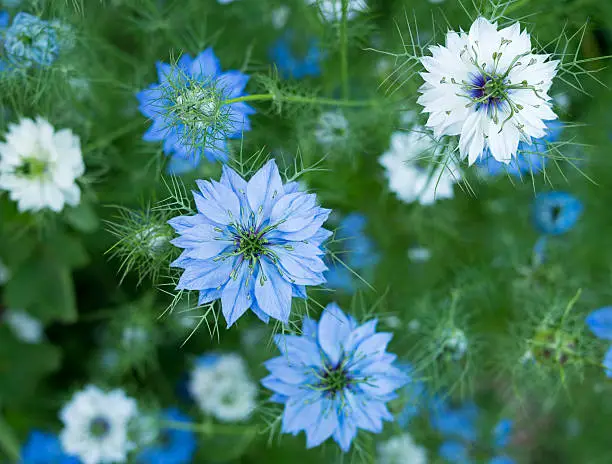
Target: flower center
<point>197,108</point>
<point>335,380</point>
<point>32,168</point>
<point>250,244</point>
<point>488,90</point>
<point>99,427</point>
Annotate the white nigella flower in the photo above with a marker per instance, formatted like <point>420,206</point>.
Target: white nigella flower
<point>25,327</point>
<point>401,449</point>
<point>5,274</point>
<point>96,425</point>
<point>332,128</point>
<point>39,167</point>
<point>407,178</point>
<point>331,10</point>
<point>489,88</point>
<point>221,387</point>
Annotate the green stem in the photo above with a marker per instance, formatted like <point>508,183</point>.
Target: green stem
<point>299,99</point>
<point>210,428</point>
<point>344,50</point>
<point>8,441</point>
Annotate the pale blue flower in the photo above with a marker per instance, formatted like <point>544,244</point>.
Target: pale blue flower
<point>188,111</point>
<point>30,41</point>
<point>254,244</point>
<point>334,379</point>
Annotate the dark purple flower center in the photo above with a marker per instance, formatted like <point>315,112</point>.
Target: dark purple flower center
<point>488,91</point>
<point>99,427</point>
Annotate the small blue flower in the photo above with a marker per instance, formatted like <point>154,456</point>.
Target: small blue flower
<point>30,41</point>
<point>189,112</point>
<point>5,20</point>
<point>531,158</point>
<point>555,213</point>
<point>600,323</point>
<point>282,55</point>
<point>334,379</point>
<point>43,448</point>
<point>254,244</point>
<point>459,428</point>
<point>358,253</point>
<point>175,446</point>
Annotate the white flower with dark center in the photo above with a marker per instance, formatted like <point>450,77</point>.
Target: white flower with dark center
<point>406,175</point>
<point>39,166</point>
<point>332,128</point>
<point>489,88</point>
<point>25,327</point>
<point>221,386</point>
<point>331,10</point>
<point>401,449</point>
<point>96,425</point>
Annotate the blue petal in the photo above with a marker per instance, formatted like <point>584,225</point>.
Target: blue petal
<point>258,312</point>
<point>233,180</point>
<point>299,291</point>
<point>236,297</point>
<point>324,429</point>
<point>303,351</point>
<point>302,412</point>
<point>345,433</point>
<point>273,293</point>
<point>300,270</point>
<point>164,70</point>
<point>264,189</point>
<point>309,328</point>
<point>206,274</point>
<point>208,295</point>
<point>600,322</point>
<point>502,432</point>
<point>232,83</point>
<point>334,329</point>
<point>206,65</point>
<point>293,211</point>
<point>502,460</point>
<point>178,165</point>
<point>182,223</point>
<point>156,132</point>
<point>218,203</point>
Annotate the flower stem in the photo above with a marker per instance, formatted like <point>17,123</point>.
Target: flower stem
<point>209,428</point>
<point>343,50</point>
<point>8,441</point>
<point>300,99</point>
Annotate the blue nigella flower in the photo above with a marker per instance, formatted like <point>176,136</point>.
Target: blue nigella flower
<point>290,65</point>
<point>555,213</point>
<point>189,112</point>
<point>30,41</point>
<point>43,448</point>
<point>252,244</point>
<point>334,379</point>
<point>531,158</point>
<point>174,446</point>
<point>459,428</point>
<point>600,323</point>
<point>359,253</point>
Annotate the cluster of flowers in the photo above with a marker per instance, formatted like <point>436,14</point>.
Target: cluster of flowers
<point>256,244</point>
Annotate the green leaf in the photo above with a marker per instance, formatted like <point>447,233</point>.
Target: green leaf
<point>22,366</point>
<point>82,217</point>
<point>45,289</point>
